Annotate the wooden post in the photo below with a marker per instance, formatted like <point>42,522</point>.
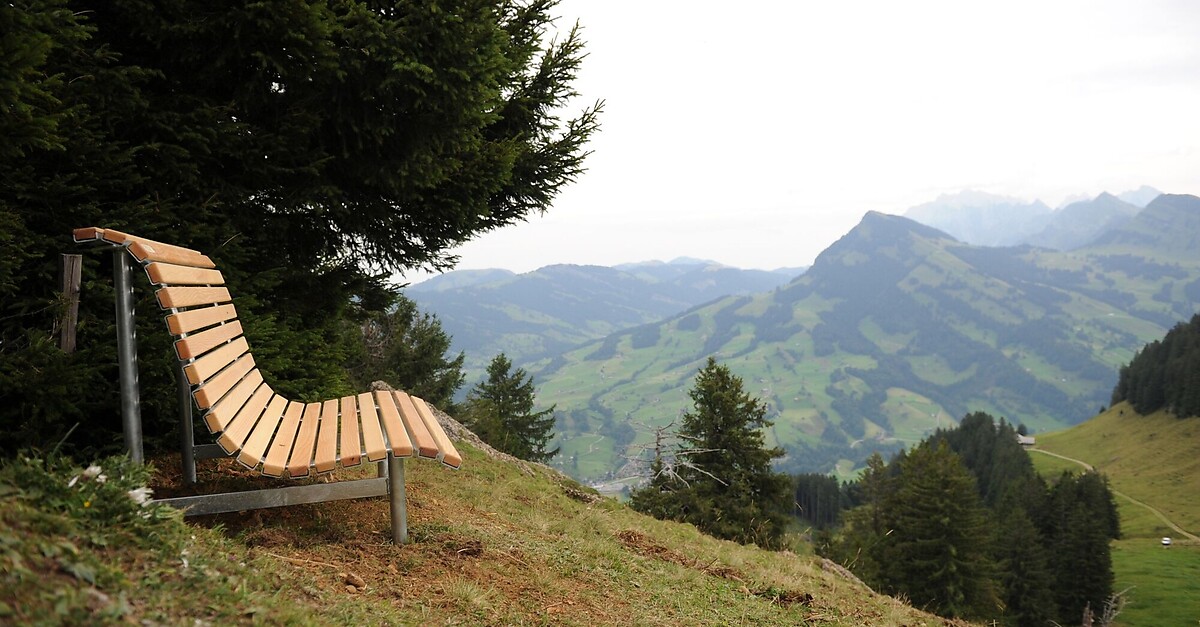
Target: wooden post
<point>71,267</point>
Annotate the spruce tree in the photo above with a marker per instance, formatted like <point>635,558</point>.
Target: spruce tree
<point>1024,576</point>
<point>726,485</point>
<point>500,411</point>
<point>408,349</point>
<point>937,552</point>
<point>310,148</point>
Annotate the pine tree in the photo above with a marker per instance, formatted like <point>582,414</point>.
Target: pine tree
<point>937,551</point>
<point>500,411</point>
<point>1023,567</point>
<point>310,148</point>
<point>407,349</point>
<point>729,489</point>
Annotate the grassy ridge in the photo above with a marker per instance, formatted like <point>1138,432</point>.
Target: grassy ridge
<point>1152,459</point>
<point>492,544</point>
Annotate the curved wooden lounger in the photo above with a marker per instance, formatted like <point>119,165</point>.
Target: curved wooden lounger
<point>267,432</point>
<point>279,437</point>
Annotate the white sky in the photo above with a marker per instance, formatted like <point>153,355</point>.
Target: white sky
<point>756,133</point>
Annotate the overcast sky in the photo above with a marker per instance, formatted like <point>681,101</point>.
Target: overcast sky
<point>756,133</point>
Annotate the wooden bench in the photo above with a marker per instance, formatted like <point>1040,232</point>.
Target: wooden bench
<point>265,431</point>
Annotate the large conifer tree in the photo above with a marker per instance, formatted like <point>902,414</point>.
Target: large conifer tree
<point>310,148</point>
<point>937,552</point>
<point>500,411</point>
<point>722,480</point>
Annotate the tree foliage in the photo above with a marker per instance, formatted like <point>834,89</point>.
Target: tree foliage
<point>408,349</point>
<point>721,479</point>
<point>310,148</point>
<point>1165,374</point>
<point>500,411</point>
<point>962,524</point>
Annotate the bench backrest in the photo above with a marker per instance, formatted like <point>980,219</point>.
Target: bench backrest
<point>264,429</point>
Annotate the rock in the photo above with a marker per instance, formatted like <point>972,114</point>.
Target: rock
<point>354,580</point>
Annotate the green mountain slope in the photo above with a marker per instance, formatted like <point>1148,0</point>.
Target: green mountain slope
<point>1152,463</point>
<point>555,308</point>
<point>896,329</point>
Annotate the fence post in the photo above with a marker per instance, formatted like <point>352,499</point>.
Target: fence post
<point>71,274</point>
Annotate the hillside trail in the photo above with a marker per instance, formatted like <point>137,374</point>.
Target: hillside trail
<point>1154,511</point>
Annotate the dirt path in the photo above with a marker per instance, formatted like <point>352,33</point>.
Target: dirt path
<point>1154,511</point>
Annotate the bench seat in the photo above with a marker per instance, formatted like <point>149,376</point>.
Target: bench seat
<point>264,430</point>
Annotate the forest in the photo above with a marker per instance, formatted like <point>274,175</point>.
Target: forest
<point>962,525</point>
<point>1165,374</point>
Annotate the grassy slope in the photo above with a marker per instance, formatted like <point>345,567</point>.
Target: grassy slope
<point>1152,459</point>
<point>491,544</point>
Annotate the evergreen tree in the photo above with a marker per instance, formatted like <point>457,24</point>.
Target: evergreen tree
<point>1025,581</point>
<point>937,553</point>
<point>407,349</point>
<point>725,484</point>
<point>500,411</point>
<point>1077,521</point>
<point>310,148</point>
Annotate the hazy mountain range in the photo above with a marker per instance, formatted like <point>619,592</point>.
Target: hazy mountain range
<point>986,219</point>
<point>545,312</point>
<point>897,328</point>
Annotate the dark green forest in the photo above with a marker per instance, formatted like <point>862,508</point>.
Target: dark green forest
<point>1165,374</point>
<point>311,149</point>
<point>963,526</point>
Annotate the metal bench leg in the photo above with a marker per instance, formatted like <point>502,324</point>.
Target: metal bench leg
<point>131,409</point>
<point>396,497</point>
<point>187,443</point>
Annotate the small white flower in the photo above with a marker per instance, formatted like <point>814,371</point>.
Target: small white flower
<point>101,478</point>
<point>93,471</point>
<point>141,496</point>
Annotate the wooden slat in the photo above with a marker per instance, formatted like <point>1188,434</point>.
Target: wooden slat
<point>210,364</point>
<point>195,345</point>
<point>180,297</point>
<point>256,440</point>
<point>397,435</point>
<point>191,320</point>
<point>119,238</point>
<point>426,446</point>
<point>144,252</point>
<point>114,236</point>
<point>325,458</point>
<point>224,411</point>
<point>306,439</point>
<point>208,394</point>
<point>281,446</point>
<point>372,435</point>
<point>349,443</point>
<point>172,274</point>
<point>449,455</point>
<point>235,433</point>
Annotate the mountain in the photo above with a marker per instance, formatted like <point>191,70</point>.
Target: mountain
<point>1141,196</point>
<point>1081,222</point>
<point>459,279</point>
<point>896,329</point>
<point>1168,227</point>
<point>555,308</point>
<point>988,220</point>
<point>983,219</point>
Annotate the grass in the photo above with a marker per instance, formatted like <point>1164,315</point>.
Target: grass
<point>492,544</point>
<point>1151,459</point>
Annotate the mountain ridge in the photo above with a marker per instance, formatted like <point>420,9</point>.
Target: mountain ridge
<point>896,328</point>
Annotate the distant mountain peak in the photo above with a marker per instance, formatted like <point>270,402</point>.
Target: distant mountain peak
<point>1141,196</point>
